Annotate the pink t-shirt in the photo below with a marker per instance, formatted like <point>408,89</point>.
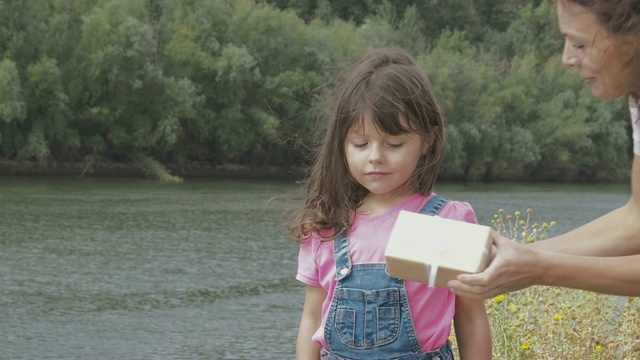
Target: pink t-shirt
<point>432,309</point>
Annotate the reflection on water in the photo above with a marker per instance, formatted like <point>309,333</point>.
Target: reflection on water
<point>137,269</point>
<point>144,270</point>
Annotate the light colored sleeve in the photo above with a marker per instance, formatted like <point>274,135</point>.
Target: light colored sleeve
<point>307,265</point>
<point>459,210</point>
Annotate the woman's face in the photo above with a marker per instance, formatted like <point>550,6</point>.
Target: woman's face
<point>602,59</point>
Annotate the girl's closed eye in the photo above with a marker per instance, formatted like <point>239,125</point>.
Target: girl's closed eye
<point>358,141</point>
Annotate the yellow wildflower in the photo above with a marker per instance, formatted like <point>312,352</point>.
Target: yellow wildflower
<point>557,318</point>
<point>525,346</point>
<point>498,299</point>
<point>598,348</point>
<point>521,315</point>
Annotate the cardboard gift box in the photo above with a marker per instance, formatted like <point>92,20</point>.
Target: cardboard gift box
<point>434,250</point>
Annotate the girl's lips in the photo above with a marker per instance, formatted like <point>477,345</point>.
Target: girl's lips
<point>377,174</point>
<point>589,80</point>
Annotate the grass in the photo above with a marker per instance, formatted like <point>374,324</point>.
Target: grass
<point>558,323</point>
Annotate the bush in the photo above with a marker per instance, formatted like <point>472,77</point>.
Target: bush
<point>543,322</point>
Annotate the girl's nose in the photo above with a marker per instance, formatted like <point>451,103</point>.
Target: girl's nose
<point>375,154</point>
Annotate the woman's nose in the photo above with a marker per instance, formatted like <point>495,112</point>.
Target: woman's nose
<point>569,56</point>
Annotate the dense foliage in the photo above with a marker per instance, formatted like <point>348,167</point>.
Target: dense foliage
<point>545,322</point>
<point>237,81</point>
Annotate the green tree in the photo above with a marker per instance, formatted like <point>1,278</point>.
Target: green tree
<point>486,142</point>
<point>534,31</point>
<point>47,113</point>
<point>127,107</point>
<point>163,81</point>
<point>462,83</point>
<point>580,137</point>
<point>256,66</point>
<point>494,14</point>
<point>23,24</point>
<point>12,107</point>
<point>387,27</point>
<point>195,31</point>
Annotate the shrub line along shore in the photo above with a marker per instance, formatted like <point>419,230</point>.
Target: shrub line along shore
<point>135,170</point>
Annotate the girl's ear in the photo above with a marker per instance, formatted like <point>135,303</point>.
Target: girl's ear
<point>431,137</point>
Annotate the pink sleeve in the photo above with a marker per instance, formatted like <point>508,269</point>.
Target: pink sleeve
<point>459,210</point>
<point>307,269</point>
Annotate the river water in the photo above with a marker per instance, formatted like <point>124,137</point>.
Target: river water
<point>140,269</point>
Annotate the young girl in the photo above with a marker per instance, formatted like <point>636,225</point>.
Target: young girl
<point>381,154</point>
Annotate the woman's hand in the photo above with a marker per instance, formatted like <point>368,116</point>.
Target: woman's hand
<point>512,267</point>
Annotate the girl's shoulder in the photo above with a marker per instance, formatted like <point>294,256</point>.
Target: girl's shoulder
<point>316,239</point>
<point>458,210</point>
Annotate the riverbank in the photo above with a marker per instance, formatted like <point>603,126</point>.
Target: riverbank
<point>135,170</point>
<point>202,169</point>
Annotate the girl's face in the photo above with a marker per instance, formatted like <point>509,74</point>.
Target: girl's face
<point>380,162</point>
<point>602,59</point>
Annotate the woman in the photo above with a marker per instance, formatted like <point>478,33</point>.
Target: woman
<point>602,41</point>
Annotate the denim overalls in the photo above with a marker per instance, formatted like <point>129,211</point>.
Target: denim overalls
<point>369,317</point>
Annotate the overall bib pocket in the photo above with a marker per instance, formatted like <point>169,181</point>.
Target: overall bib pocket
<point>367,318</point>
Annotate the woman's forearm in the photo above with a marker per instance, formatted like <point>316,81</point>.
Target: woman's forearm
<point>607,275</point>
<point>614,234</point>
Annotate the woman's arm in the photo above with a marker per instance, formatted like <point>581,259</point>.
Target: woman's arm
<point>614,234</point>
<point>607,275</point>
<point>473,333</point>
<point>518,266</point>
<point>307,349</point>
<point>601,256</point>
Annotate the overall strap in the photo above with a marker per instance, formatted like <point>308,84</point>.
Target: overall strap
<point>341,255</point>
<point>434,205</point>
<point>341,244</point>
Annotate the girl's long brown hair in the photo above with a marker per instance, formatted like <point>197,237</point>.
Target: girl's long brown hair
<point>386,84</point>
